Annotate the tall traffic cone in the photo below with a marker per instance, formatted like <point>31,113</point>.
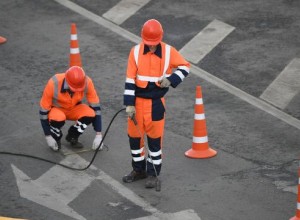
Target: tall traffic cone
<point>2,40</point>
<point>200,147</point>
<point>297,216</point>
<point>75,58</point>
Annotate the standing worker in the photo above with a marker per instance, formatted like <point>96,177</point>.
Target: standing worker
<point>62,100</point>
<point>149,74</point>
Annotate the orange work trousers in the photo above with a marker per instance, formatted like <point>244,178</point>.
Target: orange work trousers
<point>150,117</point>
<point>73,114</point>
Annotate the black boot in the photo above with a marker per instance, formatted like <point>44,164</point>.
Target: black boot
<point>134,176</point>
<point>73,141</point>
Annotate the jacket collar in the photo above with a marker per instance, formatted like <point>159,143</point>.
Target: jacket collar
<point>65,87</point>
<point>157,51</point>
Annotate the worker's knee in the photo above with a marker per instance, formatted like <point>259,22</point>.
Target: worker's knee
<point>86,120</point>
<point>57,124</point>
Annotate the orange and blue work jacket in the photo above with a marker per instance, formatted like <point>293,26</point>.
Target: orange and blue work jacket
<point>145,69</point>
<point>57,94</point>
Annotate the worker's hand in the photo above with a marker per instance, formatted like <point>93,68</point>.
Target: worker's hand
<point>164,83</point>
<point>130,110</point>
<point>97,141</point>
<point>52,143</point>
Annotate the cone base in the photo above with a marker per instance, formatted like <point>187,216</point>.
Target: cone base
<point>2,40</point>
<point>295,218</point>
<point>201,153</point>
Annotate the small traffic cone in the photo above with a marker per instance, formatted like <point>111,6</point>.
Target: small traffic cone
<point>200,147</point>
<point>297,216</point>
<point>2,40</point>
<point>75,59</point>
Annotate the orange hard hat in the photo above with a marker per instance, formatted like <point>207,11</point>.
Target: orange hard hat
<point>152,32</point>
<point>75,78</point>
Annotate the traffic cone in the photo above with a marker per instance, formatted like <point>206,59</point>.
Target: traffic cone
<point>200,147</point>
<point>297,216</point>
<point>2,40</point>
<point>75,59</point>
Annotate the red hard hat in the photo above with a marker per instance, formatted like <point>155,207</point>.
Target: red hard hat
<point>152,32</point>
<point>75,78</point>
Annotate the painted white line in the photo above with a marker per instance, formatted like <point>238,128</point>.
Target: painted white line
<point>203,43</point>
<point>283,89</point>
<point>258,103</point>
<point>34,191</point>
<point>194,69</point>
<point>186,215</point>
<point>123,10</point>
<point>126,193</point>
<point>99,20</point>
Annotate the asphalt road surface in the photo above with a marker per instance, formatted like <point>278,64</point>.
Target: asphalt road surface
<point>244,55</point>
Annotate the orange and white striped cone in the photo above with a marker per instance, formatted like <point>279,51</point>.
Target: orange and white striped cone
<point>200,147</point>
<point>2,40</point>
<point>297,216</point>
<point>75,58</point>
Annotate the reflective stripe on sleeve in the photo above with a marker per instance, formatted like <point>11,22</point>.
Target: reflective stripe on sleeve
<point>129,92</point>
<point>185,68</point>
<point>129,80</point>
<point>179,73</point>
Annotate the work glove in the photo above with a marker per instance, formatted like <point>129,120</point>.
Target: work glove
<point>97,141</point>
<point>52,142</point>
<point>130,110</point>
<point>164,83</point>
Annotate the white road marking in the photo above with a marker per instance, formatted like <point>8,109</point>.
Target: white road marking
<point>194,69</point>
<point>123,10</point>
<point>34,191</point>
<point>283,89</point>
<point>59,186</point>
<point>203,43</point>
<point>186,215</point>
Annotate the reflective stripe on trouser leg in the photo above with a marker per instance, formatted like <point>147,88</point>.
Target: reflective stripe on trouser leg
<point>80,126</point>
<point>137,153</point>
<point>55,129</point>
<point>154,156</point>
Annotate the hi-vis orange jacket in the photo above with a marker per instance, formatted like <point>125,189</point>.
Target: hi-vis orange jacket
<point>56,95</point>
<point>146,69</point>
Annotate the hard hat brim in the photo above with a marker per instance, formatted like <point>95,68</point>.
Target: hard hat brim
<point>151,42</point>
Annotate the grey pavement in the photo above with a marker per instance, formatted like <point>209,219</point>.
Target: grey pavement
<point>253,176</point>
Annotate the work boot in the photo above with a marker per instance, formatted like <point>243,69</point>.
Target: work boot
<point>134,176</point>
<point>74,142</point>
<point>151,182</point>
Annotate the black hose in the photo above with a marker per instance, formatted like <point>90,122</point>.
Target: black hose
<point>65,166</point>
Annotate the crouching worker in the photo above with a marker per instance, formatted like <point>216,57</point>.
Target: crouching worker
<point>62,100</point>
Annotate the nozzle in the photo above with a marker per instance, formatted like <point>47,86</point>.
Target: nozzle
<point>158,185</point>
<point>134,120</point>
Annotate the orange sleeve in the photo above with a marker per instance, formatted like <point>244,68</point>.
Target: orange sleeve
<point>46,100</point>
<point>177,59</point>
<point>131,66</point>
<point>91,95</point>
